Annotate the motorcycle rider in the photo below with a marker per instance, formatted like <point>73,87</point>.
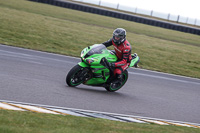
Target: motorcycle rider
<point>122,50</point>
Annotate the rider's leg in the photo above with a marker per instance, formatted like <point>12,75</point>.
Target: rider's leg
<point>119,70</point>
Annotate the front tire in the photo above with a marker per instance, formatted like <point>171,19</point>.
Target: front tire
<point>75,76</point>
<point>112,88</point>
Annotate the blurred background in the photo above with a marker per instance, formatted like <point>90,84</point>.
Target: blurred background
<point>181,11</point>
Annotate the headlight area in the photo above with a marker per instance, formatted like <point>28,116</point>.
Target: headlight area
<point>89,61</point>
<point>82,53</point>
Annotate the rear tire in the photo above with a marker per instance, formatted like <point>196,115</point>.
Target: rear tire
<point>74,77</point>
<point>111,88</point>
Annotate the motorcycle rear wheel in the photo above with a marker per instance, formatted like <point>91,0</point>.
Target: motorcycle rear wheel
<point>112,88</point>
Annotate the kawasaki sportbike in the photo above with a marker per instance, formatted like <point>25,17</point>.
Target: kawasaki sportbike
<point>94,69</point>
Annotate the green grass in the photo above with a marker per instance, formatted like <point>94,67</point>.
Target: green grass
<point>28,122</point>
<point>64,31</point>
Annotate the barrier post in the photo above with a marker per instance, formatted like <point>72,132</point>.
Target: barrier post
<point>178,18</point>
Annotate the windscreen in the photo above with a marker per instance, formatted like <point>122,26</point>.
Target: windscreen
<point>97,49</point>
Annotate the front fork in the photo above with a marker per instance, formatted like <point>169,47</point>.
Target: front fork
<point>85,71</point>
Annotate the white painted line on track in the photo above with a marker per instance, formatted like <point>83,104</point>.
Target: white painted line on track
<point>16,56</point>
<point>9,107</point>
<point>180,124</point>
<point>161,77</point>
<point>140,69</point>
<point>33,62</point>
<point>36,51</point>
<point>67,112</point>
<point>32,57</point>
<point>94,114</point>
<point>98,115</point>
<point>112,114</point>
<point>153,121</point>
<point>78,58</point>
<point>14,53</point>
<point>35,109</point>
<point>131,119</point>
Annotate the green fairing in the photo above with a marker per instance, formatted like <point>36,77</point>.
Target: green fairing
<point>95,53</point>
<point>83,64</point>
<point>99,71</point>
<point>96,57</point>
<point>134,61</point>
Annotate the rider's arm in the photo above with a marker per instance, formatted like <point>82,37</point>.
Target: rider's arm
<point>108,43</point>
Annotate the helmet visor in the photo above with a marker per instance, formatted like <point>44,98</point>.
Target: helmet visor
<point>117,38</point>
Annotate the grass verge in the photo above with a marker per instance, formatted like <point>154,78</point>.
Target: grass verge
<point>28,122</point>
<point>64,31</point>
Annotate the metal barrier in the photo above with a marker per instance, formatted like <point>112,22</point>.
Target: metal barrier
<point>120,15</point>
<point>166,16</point>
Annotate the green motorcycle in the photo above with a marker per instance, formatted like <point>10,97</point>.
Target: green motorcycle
<point>94,69</point>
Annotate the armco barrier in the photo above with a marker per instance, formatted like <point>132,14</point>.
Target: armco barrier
<point>120,15</point>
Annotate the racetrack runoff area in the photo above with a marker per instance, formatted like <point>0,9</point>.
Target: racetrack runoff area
<point>20,106</point>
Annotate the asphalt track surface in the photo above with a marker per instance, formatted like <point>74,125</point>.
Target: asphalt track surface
<point>39,78</point>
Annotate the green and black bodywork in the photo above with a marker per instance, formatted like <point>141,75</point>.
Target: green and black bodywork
<point>94,69</point>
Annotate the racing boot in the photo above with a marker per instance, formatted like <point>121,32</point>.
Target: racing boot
<point>117,81</point>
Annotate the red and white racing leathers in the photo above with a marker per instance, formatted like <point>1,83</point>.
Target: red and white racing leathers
<point>123,52</point>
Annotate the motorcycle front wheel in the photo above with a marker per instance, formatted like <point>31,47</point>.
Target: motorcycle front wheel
<point>116,85</point>
<point>76,76</point>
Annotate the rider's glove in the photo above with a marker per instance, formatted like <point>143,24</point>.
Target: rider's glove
<point>112,65</point>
